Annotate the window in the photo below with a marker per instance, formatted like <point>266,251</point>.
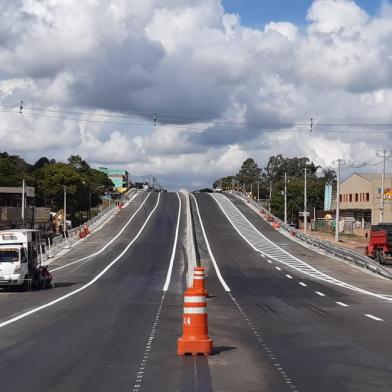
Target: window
<point>340,198</point>
<point>356,197</point>
<point>367,197</point>
<point>350,197</point>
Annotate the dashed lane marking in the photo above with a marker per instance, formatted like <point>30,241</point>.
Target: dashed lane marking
<point>143,364</point>
<point>269,261</point>
<point>265,347</point>
<point>263,245</point>
<point>255,332</point>
<point>320,293</point>
<point>289,276</point>
<point>374,317</point>
<point>342,304</point>
<point>278,268</point>
<point>302,284</point>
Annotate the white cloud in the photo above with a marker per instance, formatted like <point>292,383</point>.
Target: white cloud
<point>217,85</point>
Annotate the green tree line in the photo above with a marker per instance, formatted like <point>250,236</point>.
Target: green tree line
<point>49,177</point>
<point>270,182</point>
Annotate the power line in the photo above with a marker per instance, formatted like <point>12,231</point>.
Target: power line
<point>155,116</point>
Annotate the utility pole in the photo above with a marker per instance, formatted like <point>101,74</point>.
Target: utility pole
<point>270,197</point>
<point>384,153</point>
<point>337,218</point>
<point>258,191</point>
<point>23,203</point>
<point>305,205</point>
<point>65,218</point>
<point>251,190</point>
<point>285,197</point>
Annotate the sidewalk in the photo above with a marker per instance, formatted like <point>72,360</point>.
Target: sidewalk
<point>348,241</point>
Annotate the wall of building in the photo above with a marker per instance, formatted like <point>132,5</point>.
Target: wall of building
<point>119,177</point>
<point>360,199</point>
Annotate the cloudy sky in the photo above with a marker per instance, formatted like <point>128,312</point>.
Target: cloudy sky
<point>186,89</point>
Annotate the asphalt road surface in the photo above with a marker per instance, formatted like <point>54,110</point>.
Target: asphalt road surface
<point>108,324</point>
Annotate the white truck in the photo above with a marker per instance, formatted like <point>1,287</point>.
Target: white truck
<point>20,260</point>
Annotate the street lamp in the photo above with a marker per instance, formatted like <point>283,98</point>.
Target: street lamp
<point>91,190</point>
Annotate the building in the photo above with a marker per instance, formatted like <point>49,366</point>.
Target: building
<point>360,202</point>
<point>11,209</point>
<point>119,177</point>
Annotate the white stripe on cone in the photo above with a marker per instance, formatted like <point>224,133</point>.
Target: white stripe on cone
<point>195,310</point>
<point>195,299</point>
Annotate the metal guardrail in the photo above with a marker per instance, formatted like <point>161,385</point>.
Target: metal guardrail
<point>60,243</point>
<point>327,247</point>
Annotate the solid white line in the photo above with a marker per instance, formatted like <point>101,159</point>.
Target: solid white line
<point>92,281</point>
<point>289,276</point>
<point>169,271</point>
<point>325,278</point>
<point>109,243</point>
<point>374,317</point>
<point>320,293</point>
<point>278,268</point>
<point>225,286</point>
<point>302,284</point>
<point>341,304</point>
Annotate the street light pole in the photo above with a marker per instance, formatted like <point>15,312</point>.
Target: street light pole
<point>285,197</point>
<point>337,217</point>
<point>65,218</point>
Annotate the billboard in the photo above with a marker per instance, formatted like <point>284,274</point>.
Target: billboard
<point>327,197</point>
<point>387,193</point>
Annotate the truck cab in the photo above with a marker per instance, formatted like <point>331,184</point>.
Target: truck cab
<point>19,252</point>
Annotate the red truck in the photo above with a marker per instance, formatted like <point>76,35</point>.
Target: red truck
<point>380,242</point>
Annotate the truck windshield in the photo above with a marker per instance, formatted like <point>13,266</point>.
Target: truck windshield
<point>9,255</point>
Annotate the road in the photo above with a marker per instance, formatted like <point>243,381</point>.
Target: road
<point>109,324</point>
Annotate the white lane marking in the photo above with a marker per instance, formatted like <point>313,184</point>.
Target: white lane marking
<point>265,347</point>
<point>289,276</point>
<point>88,284</point>
<point>109,243</point>
<point>269,261</point>
<point>302,284</point>
<point>278,268</point>
<point>374,317</point>
<point>225,286</point>
<point>169,271</point>
<point>256,333</point>
<point>342,304</point>
<point>143,364</point>
<point>300,265</point>
<point>320,293</point>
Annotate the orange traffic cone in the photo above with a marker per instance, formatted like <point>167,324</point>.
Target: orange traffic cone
<point>198,281</point>
<point>85,229</point>
<point>195,339</point>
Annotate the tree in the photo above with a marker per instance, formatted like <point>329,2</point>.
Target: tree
<point>249,174</point>
<point>41,163</point>
<point>224,182</point>
<point>13,170</point>
<point>78,163</point>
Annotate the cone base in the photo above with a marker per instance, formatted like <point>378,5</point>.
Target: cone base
<point>194,346</point>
